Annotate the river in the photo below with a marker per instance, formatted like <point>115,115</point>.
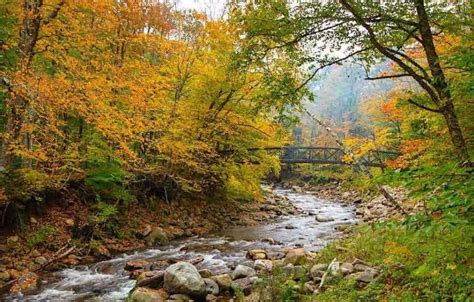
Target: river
<point>108,281</point>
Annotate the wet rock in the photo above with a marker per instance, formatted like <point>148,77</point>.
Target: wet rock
<point>136,265</point>
<point>224,281</point>
<point>211,286</point>
<point>271,241</point>
<point>243,285</point>
<point>151,279</point>
<point>143,294</point>
<point>347,268</point>
<point>256,254</point>
<point>263,265</point>
<point>295,256</point>
<point>290,227</point>
<point>205,273</point>
<point>184,278</point>
<point>156,236</point>
<point>323,218</point>
<point>243,271</point>
<point>160,265</point>
<point>297,189</point>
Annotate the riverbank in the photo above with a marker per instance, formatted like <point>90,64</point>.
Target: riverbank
<point>28,250</point>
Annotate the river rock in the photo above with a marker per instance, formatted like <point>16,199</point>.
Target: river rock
<point>136,265</point>
<point>257,254</point>
<point>243,271</point>
<point>243,285</point>
<point>310,287</point>
<point>151,279</point>
<point>362,267</point>
<point>157,236</point>
<point>4,276</point>
<point>297,189</point>
<point>184,278</point>
<point>41,260</point>
<point>211,286</point>
<point>347,268</point>
<point>323,218</point>
<point>205,273</point>
<point>180,298</point>
<point>365,276</point>
<point>290,227</point>
<point>263,265</point>
<point>143,294</point>
<point>101,251</point>
<point>318,270</point>
<point>295,256</point>
<point>223,280</point>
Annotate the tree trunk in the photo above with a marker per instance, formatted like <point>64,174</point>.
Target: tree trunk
<point>455,133</point>
<point>441,84</point>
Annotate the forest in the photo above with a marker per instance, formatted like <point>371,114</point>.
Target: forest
<point>275,150</point>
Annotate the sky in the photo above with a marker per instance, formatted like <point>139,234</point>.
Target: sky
<point>213,8</point>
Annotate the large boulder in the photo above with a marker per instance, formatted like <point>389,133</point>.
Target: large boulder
<point>184,278</point>
<point>295,256</point>
<point>156,236</point>
<point>242,271</point>
<point>143,294</point>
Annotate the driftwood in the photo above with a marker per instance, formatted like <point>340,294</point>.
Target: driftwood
<point>325,275</point>
<point>57,256</point>
<point>357,163</point>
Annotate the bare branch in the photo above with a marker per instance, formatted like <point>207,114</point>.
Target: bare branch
<point>390,76</point>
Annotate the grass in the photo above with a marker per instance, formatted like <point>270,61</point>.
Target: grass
<point>415,264</point>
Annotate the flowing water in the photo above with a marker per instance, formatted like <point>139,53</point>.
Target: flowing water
<point>108,281</point>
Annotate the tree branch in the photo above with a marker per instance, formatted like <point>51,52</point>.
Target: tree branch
<point>390,76</point>
<point>54,13</point>
<point>423,106</point>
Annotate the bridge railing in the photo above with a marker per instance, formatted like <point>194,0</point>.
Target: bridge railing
<point>325,155</point>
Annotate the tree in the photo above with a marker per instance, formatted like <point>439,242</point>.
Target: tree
<point>368,31</point>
